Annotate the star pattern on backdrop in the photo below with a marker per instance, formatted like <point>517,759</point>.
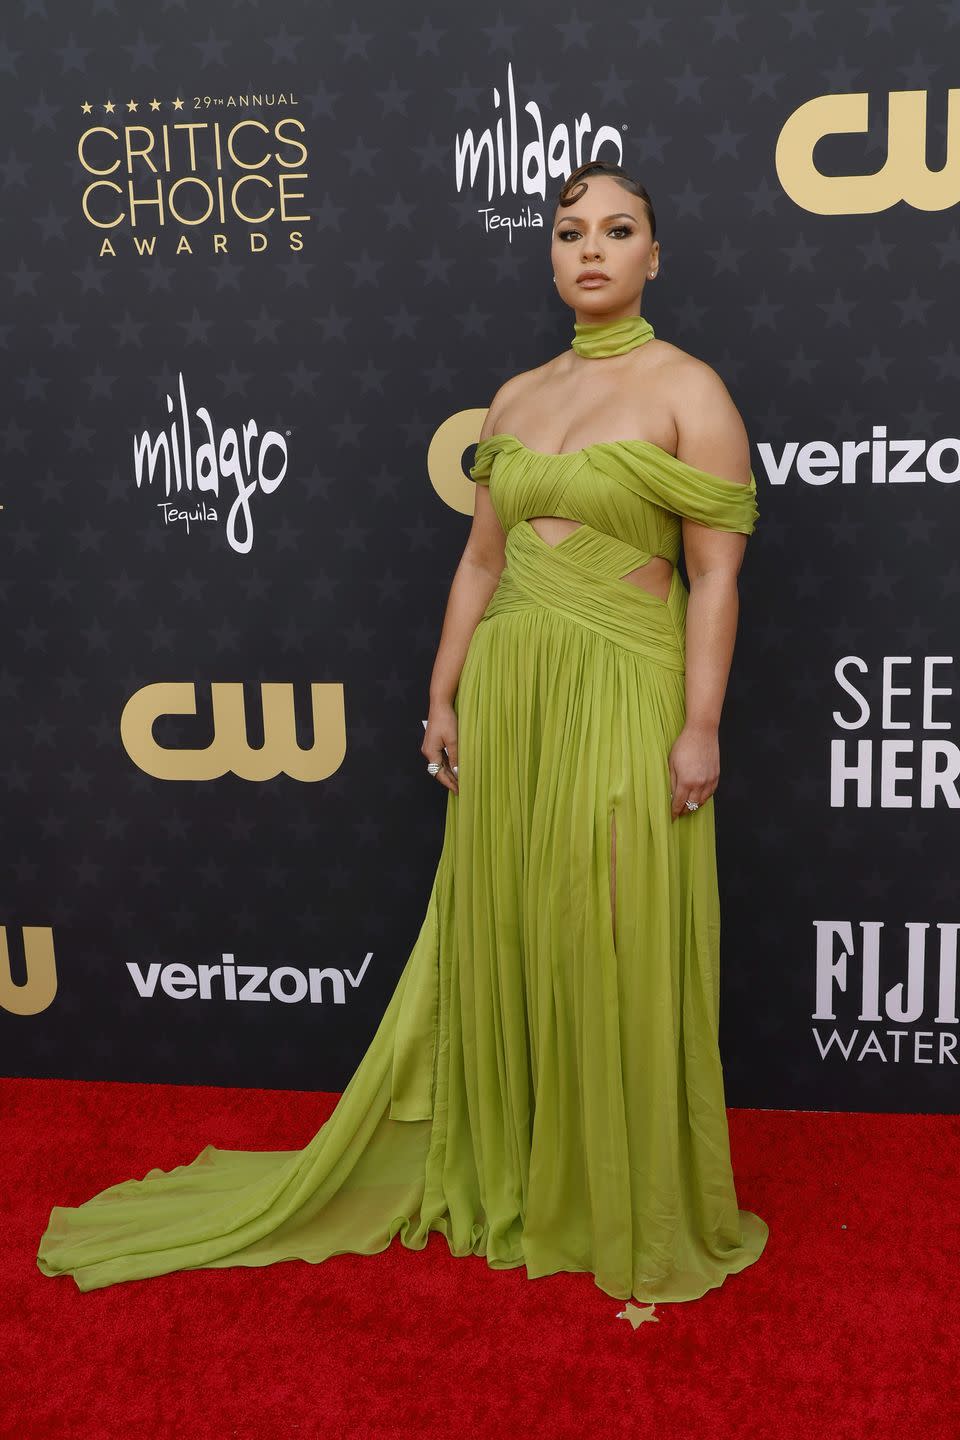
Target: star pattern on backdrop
<point>400,310</point>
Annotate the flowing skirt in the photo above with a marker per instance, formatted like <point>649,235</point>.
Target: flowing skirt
<point>545,1086</point>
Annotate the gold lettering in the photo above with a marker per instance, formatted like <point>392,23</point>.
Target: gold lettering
<point>229,751</point>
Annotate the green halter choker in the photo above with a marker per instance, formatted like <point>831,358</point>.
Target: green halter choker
<point>610,337</point>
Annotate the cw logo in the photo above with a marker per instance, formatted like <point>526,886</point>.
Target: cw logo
<point>445,458</point>
<point>229,751</point>
<point>40,986</point>
<point>904,174</point>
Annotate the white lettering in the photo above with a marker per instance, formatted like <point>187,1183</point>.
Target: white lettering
<point>243,459</point>
<point>821,462</point>
<point>286,983</point>
<point>497,152</point>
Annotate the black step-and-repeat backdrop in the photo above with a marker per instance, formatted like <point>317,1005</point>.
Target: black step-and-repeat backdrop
<point>264,269</point>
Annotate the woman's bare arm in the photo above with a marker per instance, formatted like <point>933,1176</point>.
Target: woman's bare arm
<point>474,582</point>
<point>712,437</point>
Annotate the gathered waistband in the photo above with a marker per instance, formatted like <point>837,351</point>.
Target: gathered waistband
<point>578,578</point>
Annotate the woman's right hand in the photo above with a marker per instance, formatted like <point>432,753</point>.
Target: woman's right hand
<point>441,735</point>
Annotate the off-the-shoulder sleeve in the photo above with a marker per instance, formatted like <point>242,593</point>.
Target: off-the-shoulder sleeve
<point>483,462</point>
<point>681,488</point>
<point>715,501</point>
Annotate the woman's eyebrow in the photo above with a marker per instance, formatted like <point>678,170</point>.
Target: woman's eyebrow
<point>615,216</point>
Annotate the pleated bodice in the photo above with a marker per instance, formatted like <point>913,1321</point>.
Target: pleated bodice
<point>630,490</point>
<point>629,497</point>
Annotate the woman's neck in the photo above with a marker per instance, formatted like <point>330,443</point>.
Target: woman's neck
<point>595,339</point>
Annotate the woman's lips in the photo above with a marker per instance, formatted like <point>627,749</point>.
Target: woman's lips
<point>593,280</point>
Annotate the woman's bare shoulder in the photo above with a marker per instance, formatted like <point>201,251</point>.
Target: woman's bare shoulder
<point>681,363</point>
<point>511,390</point>
<point>692,382</point>
<point>710,428</point>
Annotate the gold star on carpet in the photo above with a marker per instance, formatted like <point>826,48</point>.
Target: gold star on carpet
<point>637,1314</point>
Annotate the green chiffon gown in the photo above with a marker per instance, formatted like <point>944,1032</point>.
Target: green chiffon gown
<point>545,1086</point>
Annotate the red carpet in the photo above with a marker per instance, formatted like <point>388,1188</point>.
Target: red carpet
<point>846,1328</point>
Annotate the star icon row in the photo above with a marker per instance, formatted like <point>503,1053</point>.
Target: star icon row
<point>132,105</point>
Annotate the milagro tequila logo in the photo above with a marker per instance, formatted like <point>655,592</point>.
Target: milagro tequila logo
<point>495,157</point>
<point>238,460</point>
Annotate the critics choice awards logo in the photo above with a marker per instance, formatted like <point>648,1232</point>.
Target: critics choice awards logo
<point>197,172</point>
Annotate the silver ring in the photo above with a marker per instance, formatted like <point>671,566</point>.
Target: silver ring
<point>692,804</point>
<point>433,767</point>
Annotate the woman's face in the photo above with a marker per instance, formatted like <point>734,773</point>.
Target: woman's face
<point>607,229</point>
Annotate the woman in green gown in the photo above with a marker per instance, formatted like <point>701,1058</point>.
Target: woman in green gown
<point>545,1086</point>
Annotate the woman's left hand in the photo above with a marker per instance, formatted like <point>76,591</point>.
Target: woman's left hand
<point>694,768</point>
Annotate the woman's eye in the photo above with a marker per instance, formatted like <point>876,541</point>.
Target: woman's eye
<point>569,234</point>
